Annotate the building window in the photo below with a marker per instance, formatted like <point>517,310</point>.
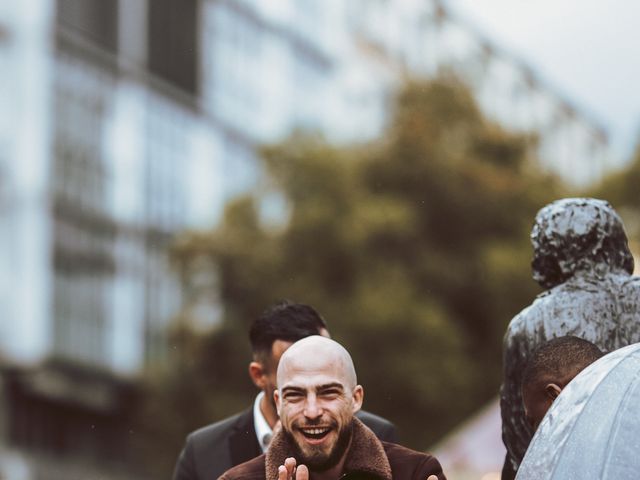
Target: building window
<point>173,31</point>
<point>96,20</point>
<point>232,69</point>
<point>80,176</point>
<point>81,307</point>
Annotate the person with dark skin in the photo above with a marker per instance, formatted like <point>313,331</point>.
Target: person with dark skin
<point>317,398</point>
<point>551,367</point>
<point>582,259</point>
<point>211,450</point>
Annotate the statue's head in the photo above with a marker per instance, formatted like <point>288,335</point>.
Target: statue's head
<point>578,234</point>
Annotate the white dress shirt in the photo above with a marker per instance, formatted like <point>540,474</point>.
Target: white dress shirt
<point>263,430</point>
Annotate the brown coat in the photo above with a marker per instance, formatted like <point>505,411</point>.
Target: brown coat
<point>367,457</point>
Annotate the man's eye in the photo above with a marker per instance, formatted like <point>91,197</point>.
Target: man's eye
<point>292,396</point>
<point>330,393</point>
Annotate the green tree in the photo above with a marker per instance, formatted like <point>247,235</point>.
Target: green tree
<point>414,248</point>
<point>620,188</point>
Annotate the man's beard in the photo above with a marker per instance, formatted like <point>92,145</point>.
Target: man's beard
<point>318,461</point>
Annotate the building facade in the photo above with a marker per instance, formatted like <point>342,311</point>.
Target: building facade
<point>99,144</point>
<point>125,122</point>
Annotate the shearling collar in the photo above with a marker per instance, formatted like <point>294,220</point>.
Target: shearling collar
<point>366,454</point>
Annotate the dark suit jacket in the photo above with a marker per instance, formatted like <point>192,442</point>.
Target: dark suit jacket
<point>211,450</point>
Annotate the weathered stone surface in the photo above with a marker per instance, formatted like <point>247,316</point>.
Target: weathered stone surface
<point>581,256</point>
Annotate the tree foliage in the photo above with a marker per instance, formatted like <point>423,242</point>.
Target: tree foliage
<point>414,248</point>
<point>620,188</point>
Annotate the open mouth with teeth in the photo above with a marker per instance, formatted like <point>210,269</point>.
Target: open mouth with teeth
<point>315,433</point>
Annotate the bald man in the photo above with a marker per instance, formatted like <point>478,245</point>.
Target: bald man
<point>317,398</point>
<point>210,451</point>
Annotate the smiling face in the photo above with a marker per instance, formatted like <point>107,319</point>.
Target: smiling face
<point>316,399</point>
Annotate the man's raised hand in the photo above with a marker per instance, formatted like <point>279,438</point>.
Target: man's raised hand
<point>288,471</point>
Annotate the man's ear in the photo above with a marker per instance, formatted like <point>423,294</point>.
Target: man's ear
<point>552,390</point>
<point>257,373</point>
<point>358,397</point>
<point>276,398</point>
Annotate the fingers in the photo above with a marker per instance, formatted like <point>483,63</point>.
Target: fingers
<point>288,470</point>
<point>302,473</point>
<point>290,465</point>
<point>282,473</point>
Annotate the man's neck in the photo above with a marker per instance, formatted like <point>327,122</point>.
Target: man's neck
<point>268,411</point>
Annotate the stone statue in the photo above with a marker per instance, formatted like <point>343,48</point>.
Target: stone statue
<point>582,258</point>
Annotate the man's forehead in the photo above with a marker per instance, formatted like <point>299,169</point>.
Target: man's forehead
<point>317,356</point>
<point>312,383</point>
<point>314,363</point>
<point>311,373</point>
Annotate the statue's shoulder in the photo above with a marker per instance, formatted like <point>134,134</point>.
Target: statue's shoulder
<point>632,282</point>
<point>535,315</point>
<point>549,297</point>
<point>522,322</point>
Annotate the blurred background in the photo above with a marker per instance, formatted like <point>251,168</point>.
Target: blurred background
<point>169,169</point>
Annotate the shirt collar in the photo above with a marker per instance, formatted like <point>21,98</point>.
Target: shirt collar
<point>263,430</point>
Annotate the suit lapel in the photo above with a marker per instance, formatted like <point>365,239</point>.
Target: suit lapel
<point>243,443</point>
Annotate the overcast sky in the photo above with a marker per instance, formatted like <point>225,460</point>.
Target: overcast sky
<point>587,50</point>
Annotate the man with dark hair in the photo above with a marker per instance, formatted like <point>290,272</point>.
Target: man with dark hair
<point>317,398</point>
<point>284,321</point>
<point>551,367</point>
<point>211,450</point>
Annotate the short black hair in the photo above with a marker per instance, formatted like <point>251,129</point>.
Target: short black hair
<point>560,358</point>
<point>286,321</point>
